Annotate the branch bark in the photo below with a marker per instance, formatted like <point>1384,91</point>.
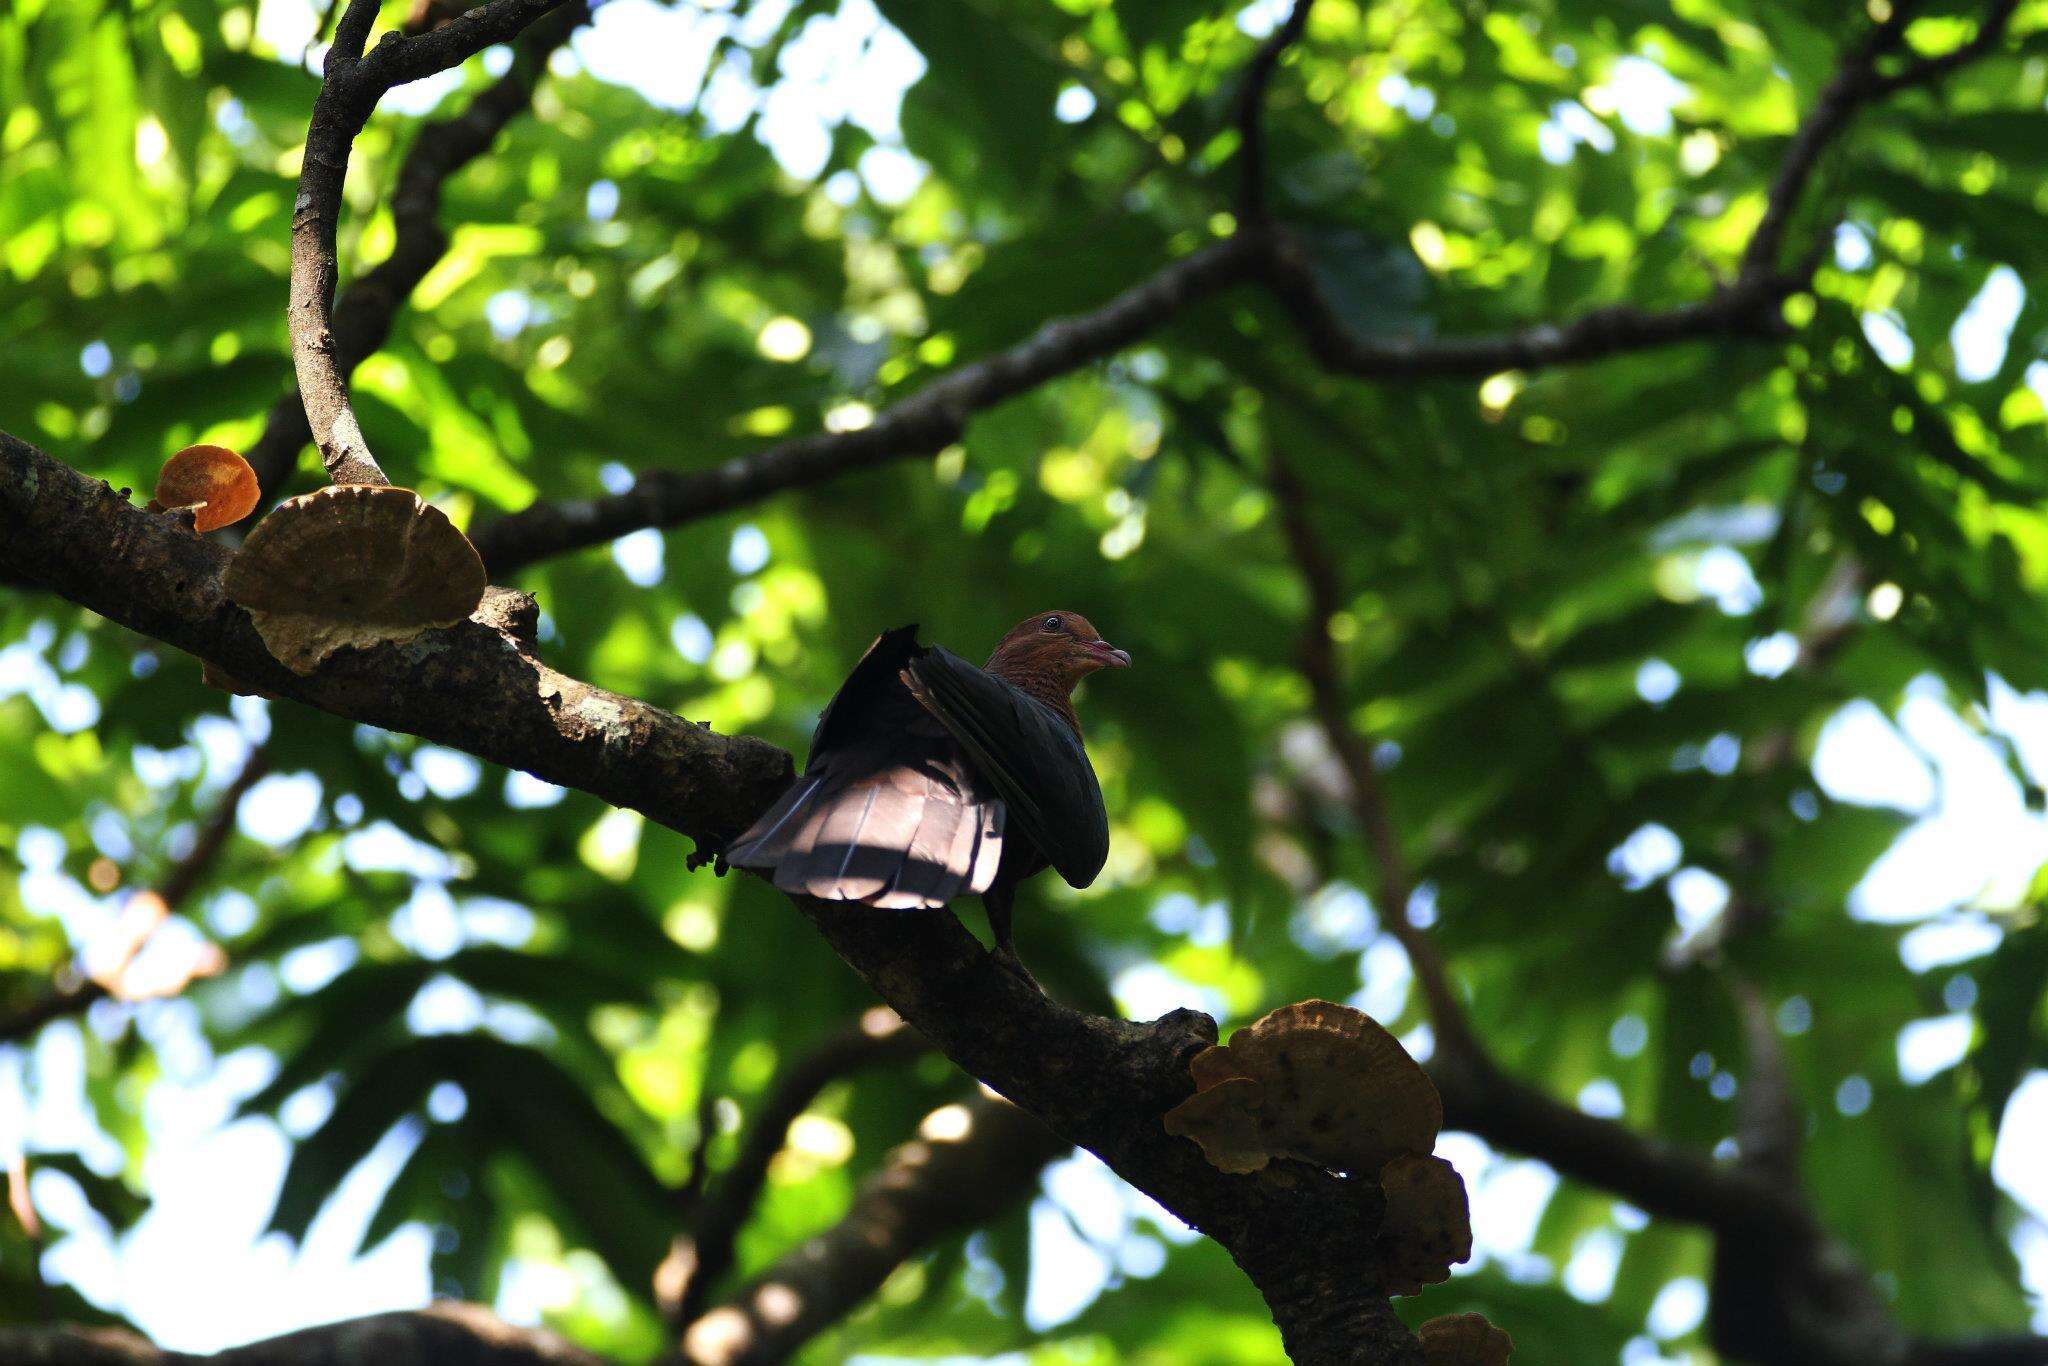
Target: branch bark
<point>479,688</point>
<point>442,1334</point>
<point>364,313</point>
<point>350,87</point>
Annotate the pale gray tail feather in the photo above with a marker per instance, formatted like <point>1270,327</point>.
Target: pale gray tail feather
<point>899,838</point>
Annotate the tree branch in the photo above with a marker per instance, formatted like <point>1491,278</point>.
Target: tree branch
<point>476,686</point>
<point>364,313</point>
<point>1746,307</point>
<point>1261,251</point>
<point>349,90</point>
<point>704,1254</point>
<point>923,424</point>
<point>479,688</point>
<point>1251,113</point>
<point>1991,30</point>
<point>443,1334</point>
<point>1784,1292</point>
<point>1303,1236</point>
<point>973,1162</point>
<point>1368,803</point>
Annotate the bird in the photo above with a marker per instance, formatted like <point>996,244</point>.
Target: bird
<point>929,779</point>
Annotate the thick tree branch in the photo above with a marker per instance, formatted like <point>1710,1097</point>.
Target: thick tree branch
<point>971,1163</point>
<point>476,687</point>
<point>922,424</point>
<point>704,1254</point>
<point>76,989</point>
<point>1303,1236</point>
<point>479,688</point>
<point>1262,252</point>
<point>443,1334</point>
<point>1783,1291</point>
<point>349,90</point>
<point>364,313</point>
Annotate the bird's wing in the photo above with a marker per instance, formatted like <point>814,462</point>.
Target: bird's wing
<point>888,811</point>
<point>871,689</point>
<point>1025,751</point>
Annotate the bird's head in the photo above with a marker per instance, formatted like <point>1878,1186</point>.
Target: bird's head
<point>1058,648</point>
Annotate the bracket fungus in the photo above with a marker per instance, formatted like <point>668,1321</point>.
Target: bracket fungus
<point>352,565</point>
<point>1427,1227</point>
<point>1463,1340</point>
<point>214,482</point>
<point>1314,1081</point>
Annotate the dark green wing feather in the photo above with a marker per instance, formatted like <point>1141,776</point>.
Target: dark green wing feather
<point>1028,753</point>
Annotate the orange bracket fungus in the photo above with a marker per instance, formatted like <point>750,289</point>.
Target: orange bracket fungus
<point>352,565</point>
<point>1463,1340</point>
<point>1427,1227</point>
<point>214,482</point>
<point>1315,1081</point>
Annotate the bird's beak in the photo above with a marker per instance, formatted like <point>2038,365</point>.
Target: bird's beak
<point>1111,657</point>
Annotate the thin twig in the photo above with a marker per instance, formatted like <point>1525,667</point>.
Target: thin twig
<point>1251,113</point>
<point>972,1162</point>
<point>1991,30</point>
<point>1368,802</point>
<point>352,83</point>
<point>364,313</point>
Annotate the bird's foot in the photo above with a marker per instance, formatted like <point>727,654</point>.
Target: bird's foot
<point>1006,958</point>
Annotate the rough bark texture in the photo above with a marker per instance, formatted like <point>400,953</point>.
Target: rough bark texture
<point>363,314</point>
<point>444,1334</point>
<point>351,84</point>
<point>475,686</point>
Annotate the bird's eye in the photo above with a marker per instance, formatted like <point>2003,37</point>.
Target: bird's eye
<point>1050,624</point>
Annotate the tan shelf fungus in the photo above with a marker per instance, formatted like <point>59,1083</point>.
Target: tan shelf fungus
<point>1427,1227</point>
<point>213,482</point>
<point>353,565</point>
<point>1314,1081</point>
<point>1463,1340</point>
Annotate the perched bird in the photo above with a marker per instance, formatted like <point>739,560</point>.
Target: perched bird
<point>930,779</point>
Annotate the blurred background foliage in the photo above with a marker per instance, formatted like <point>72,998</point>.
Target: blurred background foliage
<point>1628,636</point>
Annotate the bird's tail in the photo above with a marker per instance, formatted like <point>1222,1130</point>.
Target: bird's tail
<point>903,838</point>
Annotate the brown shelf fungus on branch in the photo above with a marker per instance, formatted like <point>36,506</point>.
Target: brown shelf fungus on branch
<point>1314,1081</point>
<point>1463,1340</point>
<point>214,482</point>
<point>352,565</point>
<point>1427,1228</point>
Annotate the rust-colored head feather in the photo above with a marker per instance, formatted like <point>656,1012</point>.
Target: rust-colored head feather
<point>1047,654</point>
